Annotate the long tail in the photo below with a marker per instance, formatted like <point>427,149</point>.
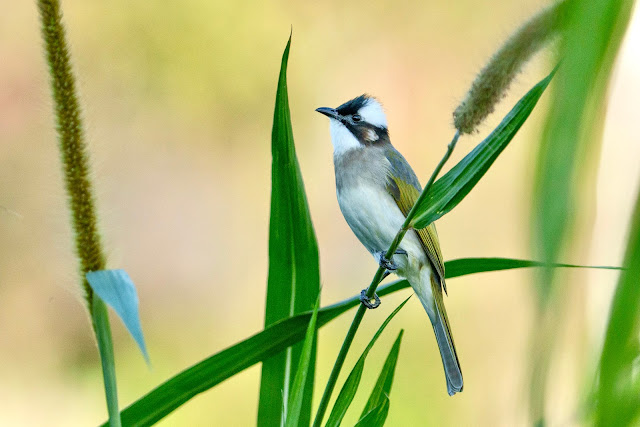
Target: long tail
<point>448,353</point>
<point>431,297</point>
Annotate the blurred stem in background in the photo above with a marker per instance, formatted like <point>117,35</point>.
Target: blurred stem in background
<point>75,163</point>
<point>618,392</point>
<point>594,30</point>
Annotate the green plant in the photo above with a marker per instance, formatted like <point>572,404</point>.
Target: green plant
<point>571,138</point>
<point>287,345</point>
<point>76,172</point>
<point>294,270</point>
<point>100,286</point>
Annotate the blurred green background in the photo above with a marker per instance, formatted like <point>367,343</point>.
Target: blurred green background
<point>178,103</point>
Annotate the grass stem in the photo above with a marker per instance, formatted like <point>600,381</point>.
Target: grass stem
<point>75,165</point>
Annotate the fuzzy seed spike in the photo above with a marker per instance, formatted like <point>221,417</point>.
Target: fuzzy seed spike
<point>493,81</point>
<point>75,159</point>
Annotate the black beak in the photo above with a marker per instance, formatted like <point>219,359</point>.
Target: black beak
<point>329,112</point>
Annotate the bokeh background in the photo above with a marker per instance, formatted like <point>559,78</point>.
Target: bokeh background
<point>178,101</point>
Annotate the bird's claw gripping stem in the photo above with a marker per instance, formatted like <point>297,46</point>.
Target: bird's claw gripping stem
<point>367,302</point>
<point>388,264</point>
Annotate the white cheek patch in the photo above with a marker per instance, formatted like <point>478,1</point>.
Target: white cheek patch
<point>371,135</point>
<point>342,139</point>
<point>373,113</point>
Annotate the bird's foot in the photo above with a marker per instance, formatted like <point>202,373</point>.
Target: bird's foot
<point>388,264</point>
<point>368,302</point>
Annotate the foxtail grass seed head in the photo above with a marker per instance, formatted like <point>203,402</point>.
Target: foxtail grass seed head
<point>75,161</point>
<point>493,81</point>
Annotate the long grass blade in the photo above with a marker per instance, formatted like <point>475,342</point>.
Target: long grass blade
<point>293,409</point>
<point>350,386</point>
<point>595,30</point>
<point>569,146</point>
<point>382,389</point>
<point>377,416</point>
<point>448,191</point>
<point>294,273</point>
<point>618,398</point>
<point>212,371</point>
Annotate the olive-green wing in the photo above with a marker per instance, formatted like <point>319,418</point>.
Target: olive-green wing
<point>405,195</point>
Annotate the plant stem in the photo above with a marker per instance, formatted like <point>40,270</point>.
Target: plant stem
<point>377,278</point>
<point>100,319</point>
<point>75,165</point>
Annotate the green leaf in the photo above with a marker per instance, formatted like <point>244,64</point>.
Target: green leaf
<point>294,272</point>
<point>208,373</point>
<point>464,266</point>
<point>116,288</point>
<point>296,397</point>
<point>377,416</point>
<point>448,191</point>
<point>350,386</point>
<point>618,398</point>
<point>382,389</point>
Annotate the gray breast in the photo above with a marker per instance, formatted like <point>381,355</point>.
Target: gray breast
<point>366,165</point>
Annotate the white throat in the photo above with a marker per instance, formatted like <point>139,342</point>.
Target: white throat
<point>342,139</point>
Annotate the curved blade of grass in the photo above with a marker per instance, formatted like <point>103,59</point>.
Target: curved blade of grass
<point>294,272</point>
<point>448,191</point>
<point>568,149</point>
<point>618,398</point>
<point>574,122</point>
<point>293,409</point>
<point>116,288</point>
<point>208,373</point>
<point>350,386</point>
<point>464,266</point>
<point>382,389</point>
<point>347,393</point>
<point>377,416</point>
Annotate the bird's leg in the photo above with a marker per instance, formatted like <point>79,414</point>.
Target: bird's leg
<point>368,302</point>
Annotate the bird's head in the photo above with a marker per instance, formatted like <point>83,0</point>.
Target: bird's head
<point>357,124</point>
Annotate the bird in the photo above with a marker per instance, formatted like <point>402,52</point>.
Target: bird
<point>376,188</point>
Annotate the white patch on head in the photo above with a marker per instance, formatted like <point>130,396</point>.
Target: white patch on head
<point>342,138</point>
<point>373,113</point>
<point>371,135</point>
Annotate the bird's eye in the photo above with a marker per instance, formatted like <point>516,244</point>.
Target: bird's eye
<point>357,117</point>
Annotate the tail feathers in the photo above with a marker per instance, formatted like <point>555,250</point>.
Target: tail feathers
<point>429,292</point>
<point>449,357</point>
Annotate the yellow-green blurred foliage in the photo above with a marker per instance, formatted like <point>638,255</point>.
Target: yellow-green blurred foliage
<point>178,99</point>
